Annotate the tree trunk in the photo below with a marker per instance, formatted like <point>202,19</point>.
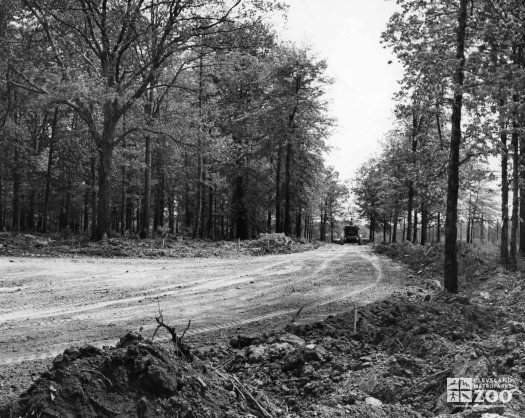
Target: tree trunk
<point>199,194</point>
<point>515,200</point>
<point>394,231</point>
<point>104,190</point>
<point>522,195</point>
<point>331,226</point>
<point>93,163</point>
<point>299,224</point>
<point>451,264</point>
<point>16,192</point>
<point>210,224</point>
<point>504,242</point>
<point>424,224</point>
<point>2,215</point>
<point>146,198</point>
<point>239,212</point>
<point>129,206</point>
<point>414,234</point>
<point>278,224</point>
<point>409,212</point>
<point>481,229</point>
<point>123,193</point>
<point>171,210</point>
<point>287,188</point>
<point>49,170</point>
<point>438,231</point>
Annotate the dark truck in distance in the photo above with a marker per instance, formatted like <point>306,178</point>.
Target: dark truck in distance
<point>351,235</point>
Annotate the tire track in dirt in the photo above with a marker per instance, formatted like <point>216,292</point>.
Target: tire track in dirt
<point>197,329</point>
<point>66,308</point>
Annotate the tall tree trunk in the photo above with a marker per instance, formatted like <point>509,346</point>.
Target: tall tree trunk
<point>200,169</point>
<point>409,212</point>
<point>123,195</point>
<point>49,169</point>
<point>414,233</point>
<point>298,223</point>
<point>504,241</point>
<point>93,182</point>
<point>287,188</point>
<point>198,197</point>
<point>481,229</point>
<point>424,224</point>
<point>146,198</point>
<point>16,192</point>
<point>306,224</point>
<point>331,225</point>
<point>85,225</point>
<point>515,199</point>
<point>438,227</point>
<point>278,224</point>
<point>105,146</point>
<point>395,226</point>
<point>522,196</point>
<point>451,263</point>
<point>2,210</point>
<point>171,209</point>
<point>129,205</point>
<point>416,128</point>
<point>104,190</point>
<point>209,224</point>
<point>239,211</point>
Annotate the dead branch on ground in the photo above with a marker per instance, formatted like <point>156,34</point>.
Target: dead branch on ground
<point>182,350</point>
<point>296,315</point>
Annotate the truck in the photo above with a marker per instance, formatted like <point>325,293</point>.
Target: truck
<point>351,235</point>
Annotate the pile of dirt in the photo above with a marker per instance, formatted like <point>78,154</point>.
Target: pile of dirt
<point>401,354</point>
<point>394,364</point>
<point>28,245</point>
<point>136,378</point>
<point>279,243</point>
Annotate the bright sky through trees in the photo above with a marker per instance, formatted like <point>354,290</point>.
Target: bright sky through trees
<point>347,33</point>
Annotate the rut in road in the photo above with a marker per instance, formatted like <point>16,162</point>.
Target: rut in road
<point>67,324</point>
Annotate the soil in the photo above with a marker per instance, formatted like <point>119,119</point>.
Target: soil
<point>49,304</point>
<point>270,337</point>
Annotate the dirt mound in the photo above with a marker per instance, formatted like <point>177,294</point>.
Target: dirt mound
<point>402,353</point>
<point>56,245</point>
<point>136,378</point>
<point>279,243</point>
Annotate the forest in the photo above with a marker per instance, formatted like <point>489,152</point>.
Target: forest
<point>453,161</point>
<point>147,117</point>
<point>144,118</point>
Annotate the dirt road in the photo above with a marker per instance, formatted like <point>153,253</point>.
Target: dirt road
<point>47,305</point>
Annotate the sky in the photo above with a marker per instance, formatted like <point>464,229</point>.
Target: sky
<point>347,34</point>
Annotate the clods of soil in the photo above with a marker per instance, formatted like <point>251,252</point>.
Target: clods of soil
<point>136,378</point>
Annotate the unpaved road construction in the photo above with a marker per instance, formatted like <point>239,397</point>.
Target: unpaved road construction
<point>47,305</point>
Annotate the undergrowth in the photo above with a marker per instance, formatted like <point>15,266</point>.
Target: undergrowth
<point>475,260</point>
